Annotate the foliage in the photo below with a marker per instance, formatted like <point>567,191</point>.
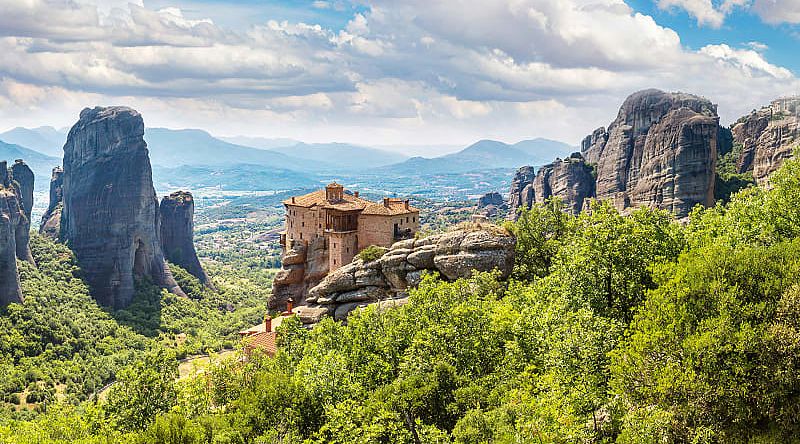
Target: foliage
<point>371,253</point>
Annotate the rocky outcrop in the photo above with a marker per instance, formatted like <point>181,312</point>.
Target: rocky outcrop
<point>453,255</point>
<point>491,204</point>
<point>521,194</point>
<point>51,220</point>
<point>11,217</point>
<point>304,265</point>
<point>110,209</point>
<point>177,233</point>
<point>23,176</point>
<point>660,152</point>
<point>766,138</point>
<point>571,180</point>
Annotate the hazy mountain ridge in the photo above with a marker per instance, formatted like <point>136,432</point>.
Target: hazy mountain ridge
<point>41,164</point>
<point>44,139</point>
<point>486,154</point>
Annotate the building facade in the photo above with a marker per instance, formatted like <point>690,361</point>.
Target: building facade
<point>786,105</point>
<point>347,222</point>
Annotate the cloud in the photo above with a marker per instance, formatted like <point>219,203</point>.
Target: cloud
<point>412,71</point>
<point>778,11</point>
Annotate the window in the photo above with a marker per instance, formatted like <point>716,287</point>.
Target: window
<point>415,218</point>
<point>334,262</point>
<point>302,224</point>
<point>348,249</point>
<point>334,245</point>
<point>406,220</point>
<point>301,236</point>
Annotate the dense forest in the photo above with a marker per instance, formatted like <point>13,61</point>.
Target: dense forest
<point>632,329</point>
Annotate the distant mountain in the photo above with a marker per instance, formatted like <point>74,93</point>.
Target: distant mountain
<point>342,155</point>
<point>238,177</point>
<point>45,139</point>
<point>42,165</point>
<point>486,154</point>
<point>260,142</point>
<point>173,148</point>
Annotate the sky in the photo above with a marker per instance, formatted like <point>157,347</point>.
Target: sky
<point>389,72</point>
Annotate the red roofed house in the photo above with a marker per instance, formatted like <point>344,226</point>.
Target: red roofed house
<point>348,222</point>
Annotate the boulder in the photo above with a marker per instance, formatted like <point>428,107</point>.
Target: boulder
<point>452,255</point>
<point>110,209</point>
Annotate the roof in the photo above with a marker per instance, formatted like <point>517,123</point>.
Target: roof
<point>349,202</point>
<point>263,341</point>
<point>395,207</point>
<point>260,328</point>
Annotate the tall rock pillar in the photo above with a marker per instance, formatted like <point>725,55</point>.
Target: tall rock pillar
<point>110,209</point>
<point>24,178</point>
<point>177,233</point>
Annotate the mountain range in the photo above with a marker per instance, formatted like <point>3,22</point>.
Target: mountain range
<point>194,158</point>
<point>486,154</point>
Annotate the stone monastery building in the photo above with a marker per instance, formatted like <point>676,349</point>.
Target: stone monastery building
<point>348,222</point>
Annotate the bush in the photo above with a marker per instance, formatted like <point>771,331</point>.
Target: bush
<point>372,253</point>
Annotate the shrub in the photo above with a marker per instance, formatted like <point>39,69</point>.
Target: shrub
<point>372,253</point>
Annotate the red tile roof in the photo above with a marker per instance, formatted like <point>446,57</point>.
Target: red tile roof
<point>265,341</point>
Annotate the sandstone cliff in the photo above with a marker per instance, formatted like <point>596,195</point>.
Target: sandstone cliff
<point>110,209</point>
<point>571,180</point>
<point>11,217</point>
<point>51,220</point>
<point>385,281</point>
<point>766,139</point>
<point>177,233</point>
<point>23,175</point>
<point>302,268</point>
<point>490,204</point>
<point>660,152</point>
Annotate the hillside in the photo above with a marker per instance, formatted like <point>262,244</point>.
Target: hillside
<point>241,177</point>
<point>44,139</point>
<point>486,154</point>
<point>342,156</point>
<point>41,164</point>
<point>173,148</point>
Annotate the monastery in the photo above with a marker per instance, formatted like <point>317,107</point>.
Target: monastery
<point>347,222</point>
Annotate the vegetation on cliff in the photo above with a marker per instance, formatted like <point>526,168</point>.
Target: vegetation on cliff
<point>631,329</point>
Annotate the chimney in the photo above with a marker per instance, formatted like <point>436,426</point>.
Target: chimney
<point>289,305</point>
<point>355,193</point>
<point>406,203</point>
<point>386,202</point>
<point>267,323</point>
<point>292,199</point>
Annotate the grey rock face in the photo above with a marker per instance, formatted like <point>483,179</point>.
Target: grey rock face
<point>51,220</point>
<point>767,139</point>
<point>453,255</point>
<point>521,194</point>
<point>303,266</point>
<point>11,217</point>
<point>23,175</point>
<point>571,180</point>
<point>659,152</point>
<point>492,198</point>
<point>110,209</point>
<point>177,233</point>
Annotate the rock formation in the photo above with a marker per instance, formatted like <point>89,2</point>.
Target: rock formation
<point>571,180</point>
<point>11,217</point>
<point>177,233</point>
<point>660,152</point>
<point>521,194</point>
<point>23,175</point>
<point>110,209</point>
<point>766,138</point>
<point>51,220</point>
<point>302,268</point>
<point>453,255</point>
<point>491,204</point>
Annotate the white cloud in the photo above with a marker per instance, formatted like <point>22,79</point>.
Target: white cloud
<point>412,71</point>
<point>778,11</point>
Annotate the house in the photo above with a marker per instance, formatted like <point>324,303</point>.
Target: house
<point>347,222</point>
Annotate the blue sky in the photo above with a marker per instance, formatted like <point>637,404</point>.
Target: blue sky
<point>389,72</point>
<point>741,28</point>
